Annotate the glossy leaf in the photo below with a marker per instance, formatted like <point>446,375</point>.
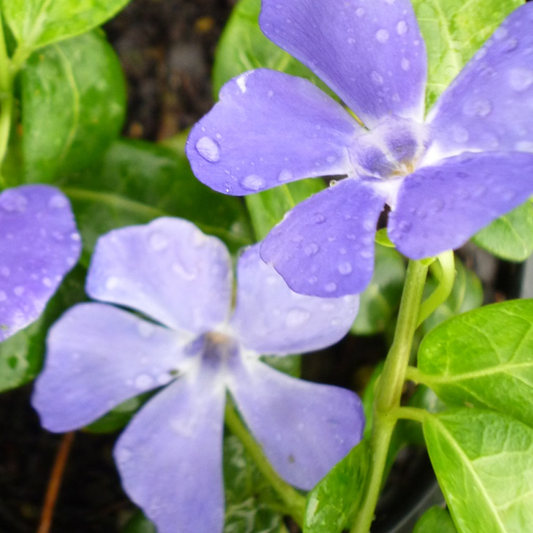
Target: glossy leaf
<point>138,181</point>
<point>21,356</point>
<point>511,236</point>
<point>73,104</point>
<point>453,31</point>
<point>243,47</point>
<point>484,463</point>
<point>483,358</point>
<point>36,23</point>
<point>467,294</point>
<point>269,207</point>
<point>333,503</point>
<point>381,299</point>
<point>435,520</point>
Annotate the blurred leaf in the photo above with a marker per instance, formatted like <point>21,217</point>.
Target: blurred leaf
<point>511,236</point>
<point>467,294</point>
<point>453,31</point>
<point>483,358</point>
<point>21,356</point>
<point>484,465</point>
<point>243,47</point>
<point>73,104</point>
<point>269,207</point>
<point>36,23</point>
<point>381,299</point>
<point>288,364</point>
<point>139,524</point>
<point>138,181</point>
<point>333,503</point>
<point>435,520</point>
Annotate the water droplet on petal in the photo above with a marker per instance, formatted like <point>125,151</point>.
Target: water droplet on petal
<point>57,202</point>
<point>460,134</point>
<point>345,268</point>
<point>510,45</point>
<point>524,146</point>
<point>19,291</point>
<point>123,455</point>
<point>404,226</point>
<point>313,280</point>
<point>311,249</point>
<point>145,329</point>
<point>13,201</point>
<point>520,79</point>
<point>158,241</point>
<point>297,317</point>
<point>178,269</point>
<point>3,296</point>
<point>253,182</point>
<point>359,11</point>
<point>436,205</point>
<point>208,149</point>
<point>376,77</point>
<point>143,381</point>
<point>402,27</point>
<point>47,282</point>
<point>366,254</point>
<point>500,33</point>
<point>284,176</point>
<point>480,108</point>
<point>319,218</point>
<point>330,287</point>
<point>112,283</point>
<point>406,64</point>
<point>382,36</point>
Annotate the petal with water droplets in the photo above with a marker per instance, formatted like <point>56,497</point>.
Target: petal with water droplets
<point>268,129</point>
<point>167,269</point>
<point>270,318</point>
<point>325,245</point>
<point>304,428</point>
<point>440,207</point>
<point>370,53</point>
<point>97,357</point>
<point>170,457</point>
<point>489,106</point>
<point>39,244</point>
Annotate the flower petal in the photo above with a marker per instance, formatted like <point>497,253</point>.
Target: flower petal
<point>304,428</point>
<point>39,244</point>
<point>99,356</point>
<point>325,245</point>
<point>489,106</point>
<point>268,129</point>
<point>271,319</point>
<point>440,207</point>
<point>371,54</point>
<point>170,457</point>
<point>167,269</point>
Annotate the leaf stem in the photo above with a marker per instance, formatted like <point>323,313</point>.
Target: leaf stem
<point>446,262</point>
<point>389,390</point>
<point>294,502</point>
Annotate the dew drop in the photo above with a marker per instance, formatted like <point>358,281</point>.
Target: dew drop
<point>359,11</point>
<point>253,182</point>
<point>510,45</point>
<point>311,249</point>
<point>143,381</point>
<point>319,218</point>
<point>500,33</point>
<point>3,296</point>
<point>208,149</point>
<point>401,28</point>
<point>297,317</point>
<point>145,329</point>
<point>345,268</point>
<point>351,40</point>
<point>404,226</point>
<point>284,176</point>
<point>480,54</point>
<point>508,196</point>
<point>312,280</point>
<point>47,282</point>
<point>330,287</point>
<point>366,254</point>
<point>178,269</point>
<point>158,241</point>
<point>57,202</point>
<point>436,205</point>
<point>480,108</point>
<point>376,77</point>
<point>123,455</point>
<point>12,201</point>
<point>524,146</point>
<point>520,79</point>
<point>19,291</point>
<point>406,64</point>
<point>111,283</point>
<point>382,36</point>
<point>460,134</point>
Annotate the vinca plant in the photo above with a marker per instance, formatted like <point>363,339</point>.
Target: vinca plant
<point>371,141</point>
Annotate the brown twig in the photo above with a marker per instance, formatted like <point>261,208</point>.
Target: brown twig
<point>55,483</point>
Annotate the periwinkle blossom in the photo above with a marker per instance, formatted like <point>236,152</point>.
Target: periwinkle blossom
<point>444,178</point>
<point>39,244</point>
<point>170,455</point>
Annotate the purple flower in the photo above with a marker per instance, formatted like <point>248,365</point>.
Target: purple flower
<point>169,457</point>
<point>39,244</point>
<point>444,178</point>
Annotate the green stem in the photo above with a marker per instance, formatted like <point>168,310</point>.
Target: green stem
<point>6,99</point>
<point>446,262</point>
<point>412,413</point>
<point>294,501</point>
<point>389,390</point>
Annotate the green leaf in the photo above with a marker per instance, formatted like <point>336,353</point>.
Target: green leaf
<point>467,294</point>
<point>21,356</point>
<point>484,463</point>
<point>139,524</point>
<point>243,47</point>
<point>381,299</point>
<point>36,23</point>
<point>511,236</point>
<point>290,364</point>
<point>483,358</point>
<point>138,181</point>
<point>333,503</point>
<point>435,520</point>
<point>453,31</point>
<point>269,207</point>
<point>247,493</point>
<point>73,104</point>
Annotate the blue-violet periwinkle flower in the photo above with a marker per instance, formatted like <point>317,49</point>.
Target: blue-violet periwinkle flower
<point>170,455</point>
<point>444,177</point>
<point>39,244</point>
